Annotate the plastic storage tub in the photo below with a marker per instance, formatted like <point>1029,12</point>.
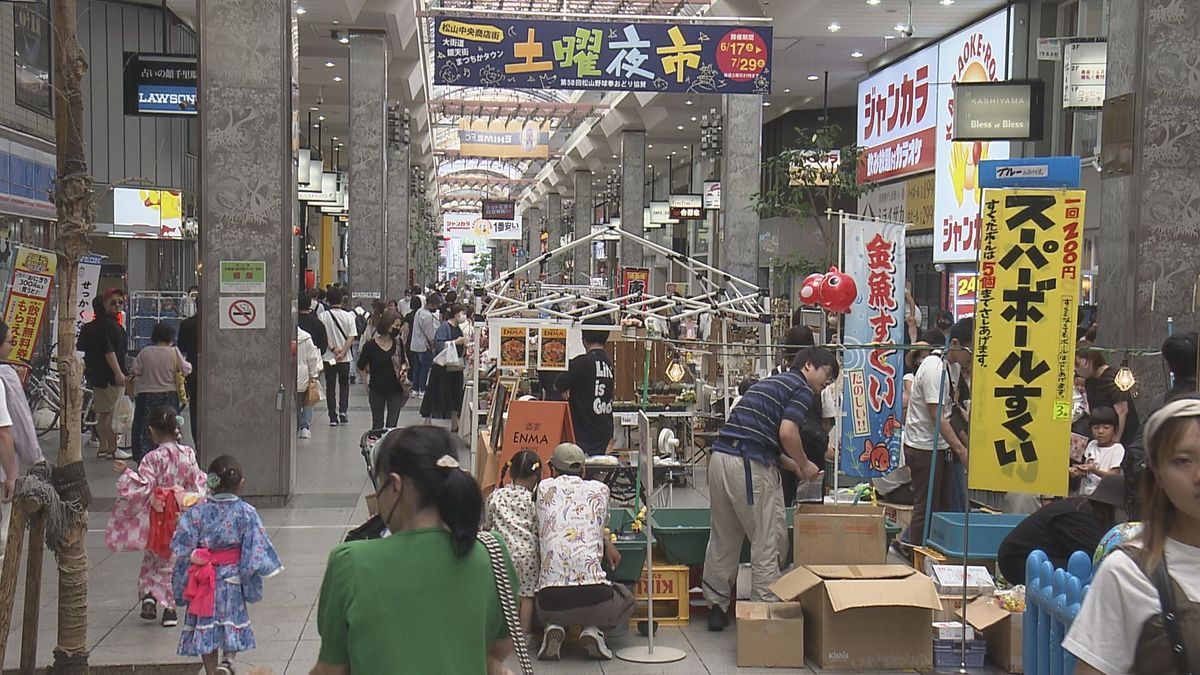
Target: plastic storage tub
<point>987,531</point>
<point>682,534</point>
<point>948,653</point>
<point>632,550</point>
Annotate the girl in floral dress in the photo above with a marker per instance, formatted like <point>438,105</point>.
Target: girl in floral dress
<point>511,512</point>
<point>166,479</point>
<point>223,555</point>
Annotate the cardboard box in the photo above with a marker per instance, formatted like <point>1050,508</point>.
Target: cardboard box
<point>952,630</point>
<point>899,514</point>
<point>949,579</point>
<point>1003,631</point>
<point>861,617</point>
<point>952,606</point>
<point>839,535</point>
<point>770,635</point>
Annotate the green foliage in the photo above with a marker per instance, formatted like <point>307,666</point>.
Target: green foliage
<point>481,262</point>
<point>803,181</point>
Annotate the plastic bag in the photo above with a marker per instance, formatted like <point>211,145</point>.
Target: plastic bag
<point>448,358</point>
<point>123,416</point>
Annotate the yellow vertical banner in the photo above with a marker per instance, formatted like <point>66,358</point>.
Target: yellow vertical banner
<point>28,297</point>
<point>1024,358</point>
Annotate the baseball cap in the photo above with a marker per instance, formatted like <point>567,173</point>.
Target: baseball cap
<point>1111,491</point>
<point>568,458</point>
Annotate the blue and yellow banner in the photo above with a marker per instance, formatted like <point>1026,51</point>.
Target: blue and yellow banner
<point>611,56</point>
<point>1024,351</point>
<point>872,388</point>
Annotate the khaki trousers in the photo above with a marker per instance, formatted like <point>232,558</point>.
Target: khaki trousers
<point>734,520</point>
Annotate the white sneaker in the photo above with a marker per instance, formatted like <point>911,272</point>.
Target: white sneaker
<point>552,641</point>
<point>305,434</point>
<point>122,454</point>
<point>593,641</point>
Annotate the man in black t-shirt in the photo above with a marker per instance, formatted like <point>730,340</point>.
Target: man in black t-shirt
<point>588,388</point>
<point>104,342</point>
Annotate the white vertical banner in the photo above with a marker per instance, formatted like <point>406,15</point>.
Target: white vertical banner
<point>872,386</point>
<point>85,289</point>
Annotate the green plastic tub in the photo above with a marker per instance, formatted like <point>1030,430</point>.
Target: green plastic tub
<point>682,534</point>
<point>632,550</point>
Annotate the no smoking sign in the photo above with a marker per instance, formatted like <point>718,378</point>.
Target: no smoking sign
<point>243,313</point>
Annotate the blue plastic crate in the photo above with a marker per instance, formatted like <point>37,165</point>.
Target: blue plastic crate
<point>948,653</point>
<point>987,531</point>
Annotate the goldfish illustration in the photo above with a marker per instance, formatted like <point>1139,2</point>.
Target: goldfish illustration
<point>890,426</point>
<point>876,456</point>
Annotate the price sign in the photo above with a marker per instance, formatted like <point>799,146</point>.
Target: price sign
<point>741,55</point>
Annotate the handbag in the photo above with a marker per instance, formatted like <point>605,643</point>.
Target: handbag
<point>508,600</point>
<point>180,382</point>
<point>398,364</point>
<point>312,395</point>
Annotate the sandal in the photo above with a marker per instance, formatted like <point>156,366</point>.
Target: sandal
<point>105,454</point>
<point>226,668</point>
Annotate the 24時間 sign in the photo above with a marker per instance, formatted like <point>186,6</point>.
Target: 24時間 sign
<point>160,84</point>
<point>611,56</point>
<point>1028,288</point>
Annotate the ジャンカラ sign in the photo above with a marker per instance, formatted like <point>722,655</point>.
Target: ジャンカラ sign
<point>875,258</point>
<point>1024,352</point>
<point>611,56</point>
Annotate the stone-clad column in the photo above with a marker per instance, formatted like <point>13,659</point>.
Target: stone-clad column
<point>554,230</point>
<point>1147,262</point>
<point>741,158</point>
<point>248,205</point>
<point>531,221</point>
<point>583,225</point>
<point>395,278</point>
<point>368,120</point>
<point>633,195</point>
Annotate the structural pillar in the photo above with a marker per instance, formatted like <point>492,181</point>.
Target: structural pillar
<point>248,204</point>
<point>583,226</point>
<point>368,125</point>
<point>395,260</point>
<point>741,157</point>
<point>633,195</point>
<point>554,231</point>
<point>531,221</point>
<point>1151,165</point>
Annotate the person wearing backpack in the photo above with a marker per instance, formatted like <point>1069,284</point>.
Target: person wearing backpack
<point>341,329</point>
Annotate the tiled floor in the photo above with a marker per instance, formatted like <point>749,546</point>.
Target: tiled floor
<point>330,485</point>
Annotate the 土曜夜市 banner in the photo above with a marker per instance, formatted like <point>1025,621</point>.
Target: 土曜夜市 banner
<point>611,55</point>
<point>1024,351</point>
<point>871,389</point>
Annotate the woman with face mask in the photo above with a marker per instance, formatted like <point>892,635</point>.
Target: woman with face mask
<point>384,367</point>
<point>444,396</point>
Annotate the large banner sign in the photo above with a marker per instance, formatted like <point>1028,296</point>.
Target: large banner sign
<point>1025,340</point>
<point>28,295</point>
<point>475,226</point>
<point>897,119</point>
<point>977,54</point>
<point>500,139</point>
<point>872,391</point>
<point>610,56</point>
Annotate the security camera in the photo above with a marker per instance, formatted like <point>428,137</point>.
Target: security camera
<point>907,31</point>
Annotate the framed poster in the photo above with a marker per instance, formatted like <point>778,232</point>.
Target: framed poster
<point>552,349</point>
<point>514,347</point>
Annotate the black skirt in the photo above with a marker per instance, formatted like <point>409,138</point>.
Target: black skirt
<point>444,395</point>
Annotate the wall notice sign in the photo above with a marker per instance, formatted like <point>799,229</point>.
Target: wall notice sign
<point>28,295</point>
<point>243,313</point>
<point>244,277</point>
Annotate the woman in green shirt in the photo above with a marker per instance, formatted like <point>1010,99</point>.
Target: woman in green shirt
<point>424,599</point>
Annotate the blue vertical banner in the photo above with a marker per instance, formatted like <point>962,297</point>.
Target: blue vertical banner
<point>872,379</point>
<point>608,56</point>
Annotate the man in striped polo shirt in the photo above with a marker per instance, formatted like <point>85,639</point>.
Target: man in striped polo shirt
<point>761,434</point>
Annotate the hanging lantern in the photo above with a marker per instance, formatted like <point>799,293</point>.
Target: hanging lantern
<point>1124,379</point>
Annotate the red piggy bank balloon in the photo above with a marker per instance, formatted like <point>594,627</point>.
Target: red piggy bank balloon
<point>810,291</point>
<point>838,291</point>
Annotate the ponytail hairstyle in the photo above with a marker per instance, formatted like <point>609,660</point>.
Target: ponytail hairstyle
<point>428,458</point>
<point>225,474</point>
<point>524,464</point>
<point>165,421</point>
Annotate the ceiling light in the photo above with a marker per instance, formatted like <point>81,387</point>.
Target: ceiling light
<point>650,146</point>
<point>813,78</point>
<point>345,39</point>
<point>693,118</point>
<point>900,27</point>
<point>679,127</point>
<point>947,3</point>
<point>321,117</point>
<point>672,153</point>
<point>786,90</point>
<point>335,138</point>
<point>614,156</point>
<point>316,126</point>
<point>688,102</point>
<point>856,54</point>
<point>335,22</point>
<point>314,108</point>
<point>889,37</point>
<point>834,26</point>
<point>330,64</point>
<point>766,104</point>
<point>301,11</point>
<point>337,78</point>
<point>869,2</point>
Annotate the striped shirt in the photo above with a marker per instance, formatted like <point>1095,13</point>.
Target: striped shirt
<point>752,429</point>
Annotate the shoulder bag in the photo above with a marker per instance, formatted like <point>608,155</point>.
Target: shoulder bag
<point>180,380</point>
<point>1162,583</point>
<point>508,600</point>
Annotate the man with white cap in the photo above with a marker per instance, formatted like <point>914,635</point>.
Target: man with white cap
<point>573,589</point>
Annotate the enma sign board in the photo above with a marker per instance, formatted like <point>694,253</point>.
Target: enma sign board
<point>1024,348</point>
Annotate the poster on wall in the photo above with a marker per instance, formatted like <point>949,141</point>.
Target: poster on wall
<point>975,54</point>
<point>503,139</point>
<point>28,296</point>
<point>609,56</point>
<point>31,56</point>
<point>871,396</point>
<point>139,213</point>
<point>1024,351</point>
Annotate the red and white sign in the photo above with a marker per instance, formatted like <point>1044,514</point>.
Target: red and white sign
<point>897,118</point>
<point>975,54</point>
<point>243,313</point>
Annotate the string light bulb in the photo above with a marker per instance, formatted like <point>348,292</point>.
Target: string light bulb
<point>1124,379</point>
